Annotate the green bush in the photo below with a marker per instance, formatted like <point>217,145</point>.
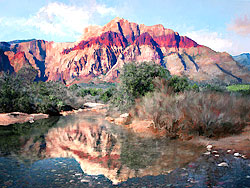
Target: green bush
<point>195,87</point>
<point>106,95</point>
<point>136,79</point>
<point>240,88</point>
<point>213,88</point>
<point>25,95</point>
<point>179,84</point>
<point>74,87</point>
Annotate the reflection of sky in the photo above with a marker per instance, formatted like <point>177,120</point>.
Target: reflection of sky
<point>209,22</point>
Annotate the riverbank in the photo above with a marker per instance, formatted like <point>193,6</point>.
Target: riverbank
<point>239,143</point>
<point>19,117</point>
<point>236,143</point>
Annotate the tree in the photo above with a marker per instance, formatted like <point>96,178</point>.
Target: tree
<point>136,79</point>
<point>179,84</point>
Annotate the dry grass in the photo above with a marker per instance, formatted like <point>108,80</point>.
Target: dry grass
<point>210,114</point>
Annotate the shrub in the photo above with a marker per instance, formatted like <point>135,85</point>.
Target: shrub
<point>27,75</point>
<point>212,114</point>
<point>195,87</point>
<point>24,95</point>
<point>136,79</point>
<point>106,95</point>
<point>73,87</point>
<point>240,88</point>
<point>179,84</point>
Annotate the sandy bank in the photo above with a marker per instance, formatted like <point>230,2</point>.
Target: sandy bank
<point>239,143</point>
<point>19,117</point>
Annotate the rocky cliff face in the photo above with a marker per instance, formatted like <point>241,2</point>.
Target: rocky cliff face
<point>102,51</point>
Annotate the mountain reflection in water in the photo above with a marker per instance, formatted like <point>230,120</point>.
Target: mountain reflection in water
<point>99,147</point>
<point>103,148</point>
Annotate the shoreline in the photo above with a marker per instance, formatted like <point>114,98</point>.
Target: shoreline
<point>19,117</point>
<point>235,143</point>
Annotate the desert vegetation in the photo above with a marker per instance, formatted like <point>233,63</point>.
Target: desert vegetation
<point>21,93</point>
<point>92,94</point>
<point>207,113</point>
<point>182,108</point>
<point>147,91</point>
<point>240,88</point>
<point>136,80</point>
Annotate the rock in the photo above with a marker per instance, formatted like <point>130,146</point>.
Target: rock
<point>123,119</point>
<point>216,155</point>
<point>110,119</point>
<point>31,120</point>
<point>237,154</point>
<point>93,105</point>
<point>229,150</point>
<point>78,174</point>
<point>120,121</point>
<point>209,147</point>
<point>207,153</point>
<point>125,115</point>
<point>244,156</point>
<point>84,180</point>
<point>223,164</point>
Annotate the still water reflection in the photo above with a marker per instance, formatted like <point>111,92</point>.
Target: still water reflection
<point>49,148</point>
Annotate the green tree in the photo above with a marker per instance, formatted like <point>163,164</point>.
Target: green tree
<point>136,79</point>
<point>179,84</point>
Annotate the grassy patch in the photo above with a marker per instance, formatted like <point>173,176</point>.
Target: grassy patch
<point>237,88</point>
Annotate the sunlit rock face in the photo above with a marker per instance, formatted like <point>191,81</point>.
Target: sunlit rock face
<point>101,52</point>
<point>104,149</point>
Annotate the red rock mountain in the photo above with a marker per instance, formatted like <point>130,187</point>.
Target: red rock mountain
<point>103,50</point>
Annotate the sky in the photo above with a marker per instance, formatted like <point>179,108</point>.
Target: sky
<point>223,25</point>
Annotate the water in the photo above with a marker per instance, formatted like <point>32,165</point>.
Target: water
<point>83,150</point>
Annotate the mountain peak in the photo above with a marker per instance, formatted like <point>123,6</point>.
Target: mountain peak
<point>103,50</point>
<point>117,19</point>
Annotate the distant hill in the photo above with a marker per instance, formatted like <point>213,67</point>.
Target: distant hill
<point>20,41</point>
<point>101,52</point>
<point>243,59</point>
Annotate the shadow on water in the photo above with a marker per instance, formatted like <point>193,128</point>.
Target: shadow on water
<point>84,150</point>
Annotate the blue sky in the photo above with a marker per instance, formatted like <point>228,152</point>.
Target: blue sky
<point>223,25</point>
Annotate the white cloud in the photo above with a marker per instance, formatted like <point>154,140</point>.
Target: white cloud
<point>213,40</point>
<point>103,10</point>
<point>61,19</point>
